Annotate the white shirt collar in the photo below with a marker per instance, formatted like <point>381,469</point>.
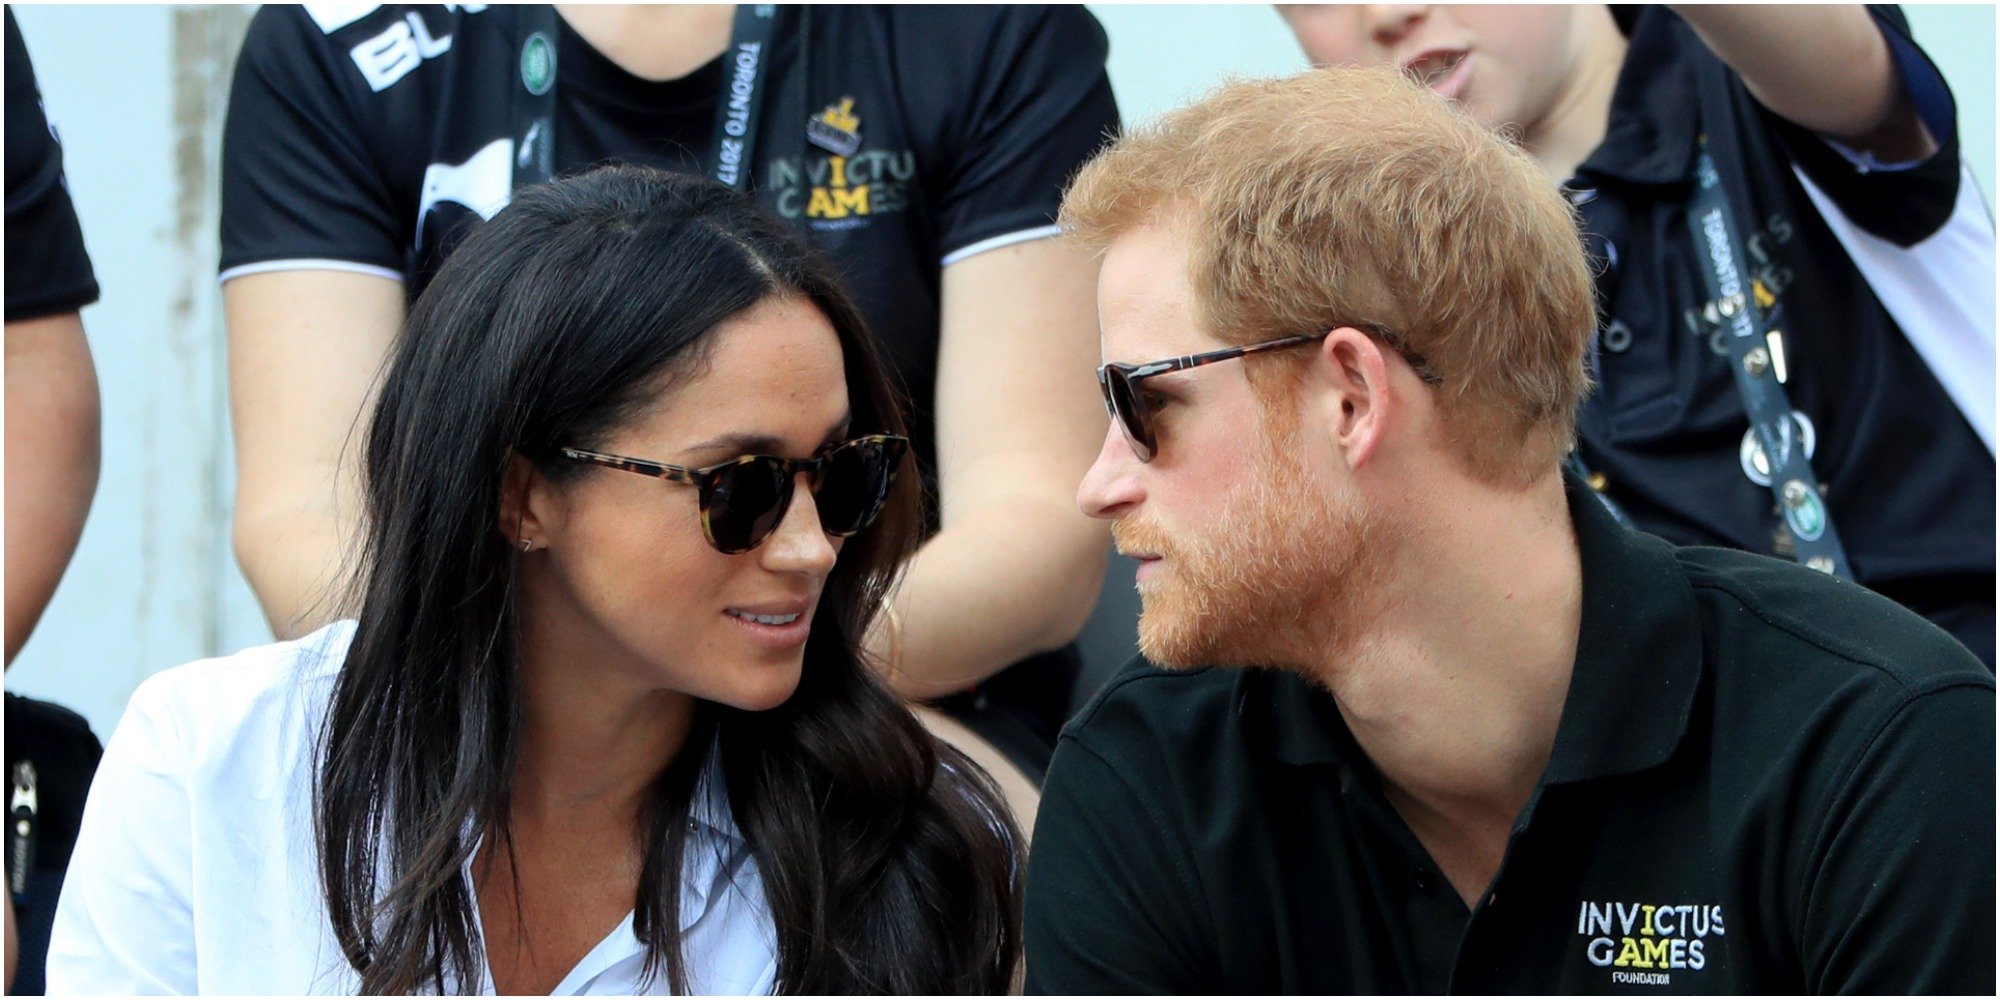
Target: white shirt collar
<point>726,931</point>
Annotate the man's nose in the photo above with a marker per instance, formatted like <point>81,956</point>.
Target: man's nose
<point>1112,484</point>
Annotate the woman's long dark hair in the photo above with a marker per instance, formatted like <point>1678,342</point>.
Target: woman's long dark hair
<point>889,862</point>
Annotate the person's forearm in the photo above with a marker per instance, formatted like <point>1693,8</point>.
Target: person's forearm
<point>52,462</point>
<point>1001,583</point>
<point>305,349</point>
<point>1826,68</point>
<point>297,563</point>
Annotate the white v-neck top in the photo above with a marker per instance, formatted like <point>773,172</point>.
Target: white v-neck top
<point>195,869</point>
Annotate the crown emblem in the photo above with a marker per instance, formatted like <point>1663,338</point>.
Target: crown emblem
<point>837,129</point>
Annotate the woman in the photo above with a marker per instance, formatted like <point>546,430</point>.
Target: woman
<point>576,700</point>
<point>923,147</point>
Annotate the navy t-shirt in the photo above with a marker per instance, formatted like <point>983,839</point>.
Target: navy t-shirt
<point>1908,480</point>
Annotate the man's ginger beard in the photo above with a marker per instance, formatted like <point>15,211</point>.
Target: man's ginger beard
<point>1283,577</point>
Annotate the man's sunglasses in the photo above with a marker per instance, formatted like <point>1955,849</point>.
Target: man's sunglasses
<point>1126,402</point>
<point>743,500</point>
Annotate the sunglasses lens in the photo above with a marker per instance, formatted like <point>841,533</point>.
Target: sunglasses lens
<point>744,503</point>
<point>1126,407</point>
<point>855,483</point>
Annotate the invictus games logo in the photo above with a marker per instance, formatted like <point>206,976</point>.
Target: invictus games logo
<point>1643,944</point>
<point>846,189</point>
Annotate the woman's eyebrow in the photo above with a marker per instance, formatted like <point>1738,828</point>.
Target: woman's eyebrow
<point>839,430</point>
<point>741,443</point>
<point>765,444</point>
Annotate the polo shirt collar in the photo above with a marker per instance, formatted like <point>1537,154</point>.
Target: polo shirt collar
<point>1638,650</point>
<point>1652,134</point>
<point>1638,660</point>
<point>1299,718</point>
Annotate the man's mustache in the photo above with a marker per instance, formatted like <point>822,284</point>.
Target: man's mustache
<point>1139,538</point>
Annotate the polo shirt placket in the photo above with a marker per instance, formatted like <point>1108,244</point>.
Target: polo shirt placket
<point>1632,628</point>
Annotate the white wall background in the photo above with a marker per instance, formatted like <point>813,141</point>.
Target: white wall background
<point>138,93</point>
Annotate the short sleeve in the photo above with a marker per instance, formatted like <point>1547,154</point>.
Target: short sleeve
<point>299,179</point>
<point>1902,203</point>
<point>48,272</point>
<point>1042,107</point>
<point>1901,900</point>
<point>1111,895</point>
<point>125,922</point>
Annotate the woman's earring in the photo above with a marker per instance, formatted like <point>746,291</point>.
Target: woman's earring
<point>527,544</point>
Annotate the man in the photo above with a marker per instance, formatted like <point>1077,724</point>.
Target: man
<point>1491,741</point>
<point>52,466</point>
<point>1871,250</point>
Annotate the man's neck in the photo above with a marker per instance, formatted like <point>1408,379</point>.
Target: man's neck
<point>1455,695</point>
<point>1578,117</point>
<point>653,41</point>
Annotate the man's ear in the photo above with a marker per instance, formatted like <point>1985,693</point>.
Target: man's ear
<point>528,512</point>
<point>1355,401</point>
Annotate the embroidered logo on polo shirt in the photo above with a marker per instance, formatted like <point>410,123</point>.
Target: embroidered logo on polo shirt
<point>847,188</point>
<point>836,129</point>
<point>1644,944</point>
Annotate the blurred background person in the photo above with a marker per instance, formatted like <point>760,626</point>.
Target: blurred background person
<point>52,462</point>
<point>1871,251</point>
<point>923,147</point>
<point>602,725</point>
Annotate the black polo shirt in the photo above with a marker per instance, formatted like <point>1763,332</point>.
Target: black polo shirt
<point>1866,273</point>
<point>1765,780</point>
<point>48,272</point>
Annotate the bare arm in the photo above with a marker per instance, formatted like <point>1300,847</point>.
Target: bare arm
<point>52,461</point>
<point>1015,568</point>
<point>305,350</point>
<point>1825,67</point>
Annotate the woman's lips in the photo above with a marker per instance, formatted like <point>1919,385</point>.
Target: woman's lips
<point>776,625</point>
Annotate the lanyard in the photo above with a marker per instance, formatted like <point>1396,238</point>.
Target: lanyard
<point>1719,246</point>
<point>736,114</point>
<point>735,134</point>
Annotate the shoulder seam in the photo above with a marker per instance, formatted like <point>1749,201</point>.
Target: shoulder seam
<point>1715,582</point>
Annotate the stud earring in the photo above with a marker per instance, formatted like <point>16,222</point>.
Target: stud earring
<point>527,544</point>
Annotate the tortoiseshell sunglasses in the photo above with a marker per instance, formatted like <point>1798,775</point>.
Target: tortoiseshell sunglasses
<point>1127,404</point>
<point>744,499</point>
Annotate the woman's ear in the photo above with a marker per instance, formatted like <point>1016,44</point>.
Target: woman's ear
<point>527,509</point>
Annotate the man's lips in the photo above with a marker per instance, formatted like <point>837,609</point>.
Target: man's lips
<point>1148,565</point>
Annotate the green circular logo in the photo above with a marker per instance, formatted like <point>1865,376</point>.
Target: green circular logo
<point>1807,517</point>
<point>538,64</point>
